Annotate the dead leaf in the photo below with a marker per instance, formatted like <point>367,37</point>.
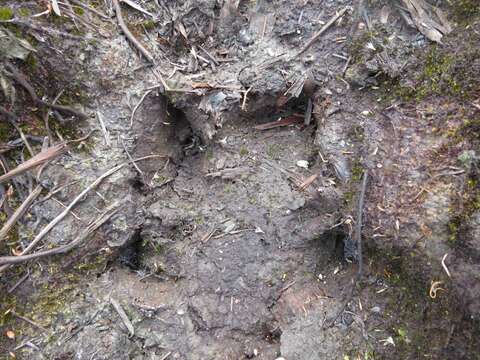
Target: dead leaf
<point>422,14</point>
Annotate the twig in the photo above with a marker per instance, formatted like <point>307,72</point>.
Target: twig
<point>94,225</point>
<point>210,56</point>
<point>95,11</point>
<point>19,282</point>
<point>79,197</point>
<point>165,356</point>
<point>321,31</point>
<point>18,77</point>
<point>445,265</point>
<point>244,103</point>
<point>31,322</point>
<point>104,129</point>
<point>358,239</point>
<point>39,159</point>
<point>129,35</point>
<point>19,212</point>
<point>138,105</point>
<point>126,321</point>
<point>12,119</point>
<point>140,172</point>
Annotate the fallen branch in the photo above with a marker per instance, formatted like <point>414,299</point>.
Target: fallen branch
<point>19,212</point>
<point>138,105</point>
<point>358,240</point>
<point>321,31</point>
<point>129,35</point>
<point>77,199</point>
<point>39,159</point>
<point>94,225</point>
<point>294,119</point>
<point>18,77</point>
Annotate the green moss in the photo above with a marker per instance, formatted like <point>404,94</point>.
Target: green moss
<point>6,13</point>
<point>31,62</point>
<point>209,154</point>
<point>149,24</point>
<point>79,11</point>
<point>243,151</point>
<point>357,170</point>
<point>464,10</point>
<point>24,12</point>
<point>274,151</point>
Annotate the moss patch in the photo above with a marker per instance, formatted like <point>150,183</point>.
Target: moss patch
<point>6,13</point>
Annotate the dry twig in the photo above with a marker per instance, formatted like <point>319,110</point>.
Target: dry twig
<point>19,212</point>
<point>321,31</point>
<point>94,225</point>
<point>39,159</point>
<point>129,35</point>
<point>79,197</point>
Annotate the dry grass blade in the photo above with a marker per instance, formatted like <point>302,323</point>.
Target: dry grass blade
<point>77,199</point>
<point>19,212</point>
<point>39,159</point>
<point>94,225</point>
<point>55,7</point>
<point>321,31</point>
<point>129,35</point>
<point>294,119</point>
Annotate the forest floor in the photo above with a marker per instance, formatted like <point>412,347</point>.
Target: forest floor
<point>201,183</point>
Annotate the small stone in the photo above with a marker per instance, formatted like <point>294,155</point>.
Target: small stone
<point>302,164</point>
<point>229,226</point>
<point>245,37</point>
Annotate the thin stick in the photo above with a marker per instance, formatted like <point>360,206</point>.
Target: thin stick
<point>138,105</point>
<point>95,11</point>
<point>140,172</point>
<point>79,197</point>
<point>126,321</point>
<point>19,212</point>
<point>94,225</point>
<point>358,239</point>
<point>322,30</point>
<point>19,282</point>
<point>104,129</point>
<point>39,159</point>
<point>244,103</point>
<point>129,35</point>
<point>31,322</point>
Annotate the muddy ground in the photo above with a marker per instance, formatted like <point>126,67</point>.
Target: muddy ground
<point>238,240</point>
